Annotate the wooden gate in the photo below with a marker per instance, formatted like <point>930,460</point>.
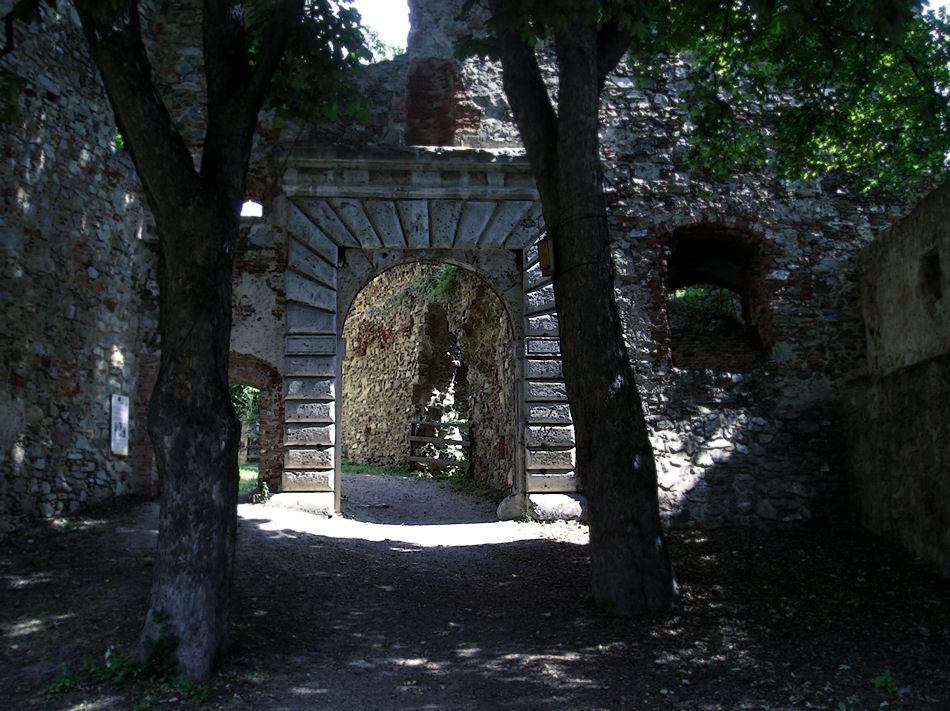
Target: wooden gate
<point>440,445</point>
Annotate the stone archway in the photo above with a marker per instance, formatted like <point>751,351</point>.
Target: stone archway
<point>429,342</point>
<point>350,216</point>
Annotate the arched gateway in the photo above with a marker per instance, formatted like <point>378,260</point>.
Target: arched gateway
<point>350,216</point>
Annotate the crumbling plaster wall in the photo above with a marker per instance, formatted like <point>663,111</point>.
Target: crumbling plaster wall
<point>78,261</point>
<point>899,412</point>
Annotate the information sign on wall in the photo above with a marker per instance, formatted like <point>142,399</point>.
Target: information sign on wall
<point>120,425</point>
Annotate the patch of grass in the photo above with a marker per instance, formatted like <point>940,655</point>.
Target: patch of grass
<point>248,474</point>
<point>885,682</point>
<point>151,681</point>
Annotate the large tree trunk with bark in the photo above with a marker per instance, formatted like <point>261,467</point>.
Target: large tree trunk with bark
<point>195,435</point>
<point>192,424</point>
<point>631,571</point>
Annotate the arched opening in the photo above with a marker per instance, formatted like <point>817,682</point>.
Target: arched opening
<point>429,357</point>
<point>246,400</point>
<point>714,311</point>
<point>256,393</point>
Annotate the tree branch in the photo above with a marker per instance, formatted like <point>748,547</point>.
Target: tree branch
<point>235,89</point>
<point>273,46</point>
<point>8,34</point>
<point>160,155</point>
<point>612,44</point>
<point>533,111</point>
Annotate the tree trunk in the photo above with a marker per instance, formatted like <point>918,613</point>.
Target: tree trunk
<point>192,424</point>
<point>631,570</point>
<point>195,435</point>
<point>630,565</point>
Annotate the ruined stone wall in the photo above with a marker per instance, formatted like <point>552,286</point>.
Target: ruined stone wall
<point>77,264</point>
<point>899,414</point>
<point>753,436</point>
<point>381,333</point>
<point>757,440</point>
<point>80,293</point>
<point>402,335</point>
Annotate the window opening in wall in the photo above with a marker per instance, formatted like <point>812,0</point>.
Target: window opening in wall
<point>711,312</point>
<point>246,401</point>
<point>428,362</point>
<point>251,209</point>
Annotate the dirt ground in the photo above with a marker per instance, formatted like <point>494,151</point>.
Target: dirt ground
<point>417,598</point>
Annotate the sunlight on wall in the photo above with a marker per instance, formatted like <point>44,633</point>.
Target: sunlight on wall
<point>252,209</point>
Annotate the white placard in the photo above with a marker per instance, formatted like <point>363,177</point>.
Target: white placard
<point>120,425</point>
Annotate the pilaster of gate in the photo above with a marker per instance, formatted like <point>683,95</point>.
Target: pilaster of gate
<point>549,430</point>
<point>311,367</point>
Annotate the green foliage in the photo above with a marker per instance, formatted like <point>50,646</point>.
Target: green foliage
<point>445,281</point>
<point>247,471</point>
<point>699,308</point>
<point>152,678</point>
<point>885,682</point>
<point>246,401</point>
<point>858,87</point>
<point>119,139</point>
<point>801,88</point>
<point>314,80</point>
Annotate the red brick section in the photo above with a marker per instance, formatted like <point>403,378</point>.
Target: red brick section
<point>244,369</point>
<point>248,370</point>
<point>436,106</point>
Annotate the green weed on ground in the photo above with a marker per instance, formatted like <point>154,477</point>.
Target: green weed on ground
<point>150,681</point>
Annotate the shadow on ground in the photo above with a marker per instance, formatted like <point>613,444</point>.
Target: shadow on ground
<point>808,618</point>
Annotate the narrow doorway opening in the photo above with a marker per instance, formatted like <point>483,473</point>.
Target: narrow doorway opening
<point>714,309</point>
<point>246,400</point>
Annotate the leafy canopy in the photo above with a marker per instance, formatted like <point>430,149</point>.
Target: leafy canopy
<point>801,87</point>
<point>315,79</point>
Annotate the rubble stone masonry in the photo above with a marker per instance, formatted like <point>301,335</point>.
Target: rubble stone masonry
<point>75,242</point>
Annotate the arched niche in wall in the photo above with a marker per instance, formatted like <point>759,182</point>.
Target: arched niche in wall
<point>716,312</point>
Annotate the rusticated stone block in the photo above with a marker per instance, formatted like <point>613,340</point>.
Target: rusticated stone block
<point>549,413</point>
<point>309,435</point>
<point>549,436</point>
<point>307,481</point>
<point>310,388</point>
<point>295,411</point>
<point>549,368</point>
<point>308,458</point>
<point>310,345</point>
<point>549,459</point>
<point>313,366</point>
<point>542,346</point>
<point>546,390</point>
